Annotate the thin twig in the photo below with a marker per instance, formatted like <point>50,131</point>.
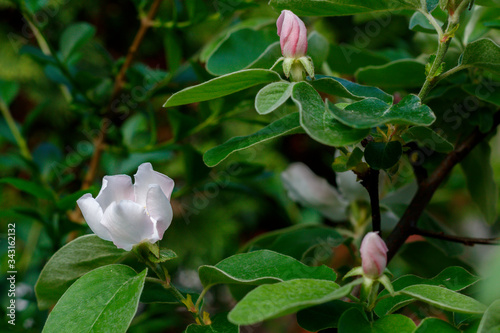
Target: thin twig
<point>370,182</point>
<point>469,241</point>
<point>426,189</point>
<point>23,146</point>
<point>119,82</point>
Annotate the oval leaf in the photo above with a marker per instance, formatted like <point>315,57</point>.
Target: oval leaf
<point>347,89</point>
<point>381,155</point>
<point>426,137</point>
<point>236,47</point>
<point>373,112</point>
<point>276,300</point>
<point>30,187</point>
<point>272,96</point>
<point>454,278</point>
<point>354,320</point>
<point>71,262</point>
<point>285,126</point>
<point>435,325</point>
<point>104,300</point>
<point>319,122</point>
<point>444,298</point>
<point>222,86</point>
<point>491,319</point>
<point>260,267</point>
<point>74,37</point>
<point>484,54</point>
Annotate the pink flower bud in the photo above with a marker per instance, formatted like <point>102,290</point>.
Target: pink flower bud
<point>373,255</point>
<point>293,35</point>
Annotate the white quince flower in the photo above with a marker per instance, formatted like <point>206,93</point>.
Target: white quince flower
<point>129,214</point>
<point>312,191</point>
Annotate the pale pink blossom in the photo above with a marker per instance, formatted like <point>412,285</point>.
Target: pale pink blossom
<point>293,35</point>
<point>373,255</point>
<point>129,214</point>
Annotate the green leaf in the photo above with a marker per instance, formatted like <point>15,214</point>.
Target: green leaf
<point>272,96</point>
<point>71,262</point>
<point>319,122</point>
<point>347,89</point>
<point>454,278</point>
<point>373,112</point>
<point>481,182</point>
<point>341,7</point>
<point>324,316</point>
<point>74,37</point>
<point>488,91</point>
<point>344,163</point>
<point>382,155</point>
<point>484,54</point>
<point>165,255</point>
<point>104,300</point>
<point>491,319</point>
<point>276,300</point>
<point>347,59</point>
<point>354,320</point>
<point>435,325</point>
<point>236,46</point>
<point>260,267</point>
<point>420,23</point>
<point>29,187</point>
<point>296,240</point>
<point>284,126</point>
<point>220,324</point>
<point>8,91</point>
<point>222,86</point>
<point>426,137</point>
<point>399,74</point>
<point>444,298</point>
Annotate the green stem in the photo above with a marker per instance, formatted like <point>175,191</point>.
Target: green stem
<point>434,23</point>
<point>372,298</point>
<point>200,298</point>
<point>450,72</point>
<point>430,80</point>
<point>25,152</point>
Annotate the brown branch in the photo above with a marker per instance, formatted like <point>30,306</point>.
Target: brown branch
<point>469,241</point>
<point>145,25</point>
<point>370,182</point>
<point>426,189</point>
<point>119,82</point>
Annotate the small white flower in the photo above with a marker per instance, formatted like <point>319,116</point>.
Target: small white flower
<point>310,190</point>
<point>129,214</point>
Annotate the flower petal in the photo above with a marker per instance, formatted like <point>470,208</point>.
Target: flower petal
<point>128,224</point>
<point>146,176</point>
<point>312,191</point>
<point>92,212</point>
<point>159,209</point>
<point>115,188</point>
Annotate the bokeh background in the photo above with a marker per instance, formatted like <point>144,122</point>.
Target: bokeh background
<point>216,211</point>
